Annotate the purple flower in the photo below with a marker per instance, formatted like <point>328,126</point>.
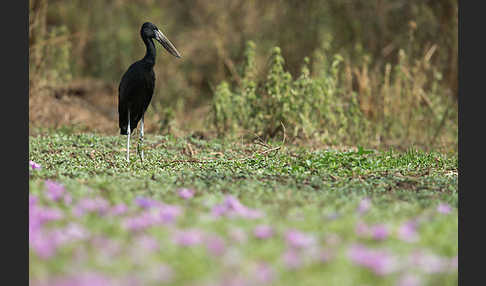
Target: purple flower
<point>54,190</point>
<point>188,237</point>
<point>119,209</point>
<point>43,245</point>
<point>409,280</point>
<point>140,222</point>
<point>291,259</point>
<point>58,237</point>
<point>219,210</point>
<point>444,208</point>
<point>380,232</point>
<point>264,273</point>
<point>67,199</point>
<point>364,206</point>
<point>362,229</point>
<point>233,281</point>
<point>408,232</point>
<point>161,273</point>
<point>428,262</point>
<point>109,248</point>
<point>186,193</point>
<point>377,232</point>
<point>164,214</point>
<point>32,200</point>
<point>34,165</point>
<point>378,261</point>
<point>232,203</point>
<point>251,214</point>
<point>263,231</point>
<point>82,279</point>
<point>145,203</point>
<point>215,245</point>
<point>169,213</point>
<point>75,232</point>
<point>42,215</point>
<point>34,229</point>
<point>298,239</point>
<point>89,205</point>
<point>454,263</point>
<point>147,243</point>
<point>231,206</point>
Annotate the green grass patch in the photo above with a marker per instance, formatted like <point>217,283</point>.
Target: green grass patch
<point>316,192</point>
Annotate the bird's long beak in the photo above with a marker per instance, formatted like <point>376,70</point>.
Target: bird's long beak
<point>159,36</point>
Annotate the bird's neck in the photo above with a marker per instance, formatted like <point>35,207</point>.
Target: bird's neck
<point>150,53</point>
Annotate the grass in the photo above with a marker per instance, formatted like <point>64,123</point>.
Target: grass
<point>314,191</point>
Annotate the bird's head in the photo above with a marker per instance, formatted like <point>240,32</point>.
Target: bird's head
<point>149,30</point>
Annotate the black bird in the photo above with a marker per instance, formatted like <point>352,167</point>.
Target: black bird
<point>137,85</point>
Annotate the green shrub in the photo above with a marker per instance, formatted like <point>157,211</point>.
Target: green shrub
<point>398,106</point>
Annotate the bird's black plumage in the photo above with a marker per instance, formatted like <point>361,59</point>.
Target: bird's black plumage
<point>135,93</point>
<point>137,84</point>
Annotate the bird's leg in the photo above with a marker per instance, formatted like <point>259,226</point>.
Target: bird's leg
<point>128,138</point>
<point>140,141</point>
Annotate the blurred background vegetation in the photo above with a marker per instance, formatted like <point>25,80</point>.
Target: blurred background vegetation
<point>375,73</point>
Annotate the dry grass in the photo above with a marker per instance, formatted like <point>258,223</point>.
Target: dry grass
<point>91,105</point>
<point>93,110</point>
